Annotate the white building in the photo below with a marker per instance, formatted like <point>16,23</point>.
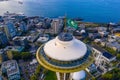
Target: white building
<point>43,38</point>
<point>11,68</point>
<point>80,75</point>
<point>102,58</point>
<point>56,26</point>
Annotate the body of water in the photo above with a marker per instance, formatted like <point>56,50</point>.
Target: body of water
<point>90,10</point>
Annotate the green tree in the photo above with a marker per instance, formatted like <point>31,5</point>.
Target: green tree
<point>113,52</point>
<point>26,55</point>
<point>50,76</point>
<point>118,57</point>
<point>38,69</point>
<point>45,71</point>
<point>112,75</point>
<point>9,55</point>
<point>22,79</point>
<point>107,76</point>
<point>33,77</point>
<point>16,55</point>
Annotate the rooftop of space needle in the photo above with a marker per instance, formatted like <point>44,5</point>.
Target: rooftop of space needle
<point>64,54</point>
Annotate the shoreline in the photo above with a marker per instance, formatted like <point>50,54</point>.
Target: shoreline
<point>77,19</point>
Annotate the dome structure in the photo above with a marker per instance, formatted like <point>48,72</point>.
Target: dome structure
<point>65,50</point>
<point>64,54</point>
<point>80,75</point>
<point>82,31</point>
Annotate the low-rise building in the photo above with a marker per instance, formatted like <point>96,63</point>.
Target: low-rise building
<point>114,45</point>
<point>14,48</point>
<point>11,68</point>
<point>33,36</point>
<point>43,38</point>
<point>20,41</point>
<point>94,35</point>
<point>102,58</point>
<point>103,31</point>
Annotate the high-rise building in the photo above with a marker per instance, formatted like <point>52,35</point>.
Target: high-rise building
<point>1,18</point>
<point>65,55</point>
<point>3,38</point>
<point>2,56</point>
<point>10,30</point>
<point>23,26</point>
<point>56,26</point>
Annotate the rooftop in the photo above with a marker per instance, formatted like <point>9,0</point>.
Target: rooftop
<point>114,44</point>
<point>64,66</point>
<point>34,61</point>
<point>14,48</point>
<point>65,48</point>
<point>19,38</point>
<point>79,75</point>
<point>98,48</point>
<point>1,51</point>
<point>11,66</point>
<point>43,38</point>
<point>108,55</point>
<point>104,52</point>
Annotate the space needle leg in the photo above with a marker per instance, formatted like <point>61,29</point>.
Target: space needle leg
<point>63,76</point>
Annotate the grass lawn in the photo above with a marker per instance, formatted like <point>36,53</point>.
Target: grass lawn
<point>51,76</point>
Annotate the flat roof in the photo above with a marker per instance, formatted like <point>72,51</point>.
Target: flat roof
<point>98,48</point>
<point>104,52</point>
<point>11,66</point>
<point>108,55</point>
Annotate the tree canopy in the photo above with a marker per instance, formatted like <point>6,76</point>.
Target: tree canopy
<point>112,75</point>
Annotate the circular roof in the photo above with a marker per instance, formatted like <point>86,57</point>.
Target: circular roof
<point>79,75</point>
<point>65,50</point>
<point>82,31</point>
<point>65,37</point>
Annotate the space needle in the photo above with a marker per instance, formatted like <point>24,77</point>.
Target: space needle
<point>65,55</point>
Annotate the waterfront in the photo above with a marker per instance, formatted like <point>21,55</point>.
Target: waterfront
<point>89,10</point>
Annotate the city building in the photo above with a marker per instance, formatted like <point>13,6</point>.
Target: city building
<point>2,56</point>
<point>33,36</point>
<point>3,38</point>
<point>81,75</point>
<point>113,45</point>
<point>56,26</point>
<point>65,55</point>
<point>1,78</point>
<point>14,48</point>
<point>23,26</point>
<point>10,30</point>
<point>1,18</point>
<point>43,38</point>
<point>93,70</point>
<point>20,41</point>
<point>11,68</point>
<point>10,49</point>
<point>103,59</point>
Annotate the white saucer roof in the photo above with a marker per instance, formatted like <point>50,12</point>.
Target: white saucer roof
<point>65,50</point>
<point>79,75</point>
